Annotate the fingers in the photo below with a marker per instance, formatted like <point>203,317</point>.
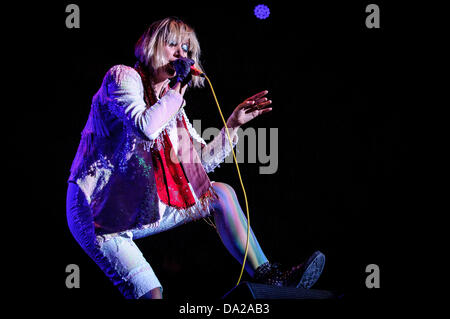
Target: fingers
<point>265,110</point>
<point>245,105</point>
<point>252,103</point>
<point>257,112</point>
<point>256,103</point>
<point>258,95</point>
<point>256,99</point>
<point>260,101</point>
<point>264,104</point>
<point>258,107</point>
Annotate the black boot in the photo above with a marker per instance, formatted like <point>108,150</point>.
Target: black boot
<point>304,275</point>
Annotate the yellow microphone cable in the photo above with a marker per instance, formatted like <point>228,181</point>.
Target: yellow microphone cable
<point>239,174</point>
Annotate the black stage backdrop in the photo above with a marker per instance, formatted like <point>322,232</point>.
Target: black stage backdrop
<point>342,180</point>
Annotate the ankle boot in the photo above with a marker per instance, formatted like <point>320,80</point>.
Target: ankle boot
<point>304,275</point>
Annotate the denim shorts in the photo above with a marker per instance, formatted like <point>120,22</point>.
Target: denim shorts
<point>116,254</point>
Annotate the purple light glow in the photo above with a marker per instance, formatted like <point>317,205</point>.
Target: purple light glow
<point>262,11</point>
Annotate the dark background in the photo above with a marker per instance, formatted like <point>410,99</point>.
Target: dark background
<point>343,183</point>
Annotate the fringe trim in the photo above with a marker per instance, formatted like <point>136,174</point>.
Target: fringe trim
<point>158,140</point>
<point>192,213</point>
<point>152,225</point>
<point>222,149</point>
<point>191,129</point>
<point>199,209</point>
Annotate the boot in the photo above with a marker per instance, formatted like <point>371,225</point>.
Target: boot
<point>304,275</point>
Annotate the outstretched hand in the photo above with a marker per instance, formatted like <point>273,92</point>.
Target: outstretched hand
<point>249,109</point>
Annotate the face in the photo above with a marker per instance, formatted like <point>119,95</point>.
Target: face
<point>172,51</point>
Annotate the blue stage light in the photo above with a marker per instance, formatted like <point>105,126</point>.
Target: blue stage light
<point>262,11</point>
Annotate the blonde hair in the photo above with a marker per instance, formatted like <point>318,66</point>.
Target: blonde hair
<point>149,48</point>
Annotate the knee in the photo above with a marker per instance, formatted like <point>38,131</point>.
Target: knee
<point>226,198</point>
<point>224,190</point>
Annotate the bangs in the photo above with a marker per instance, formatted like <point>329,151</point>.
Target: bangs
<point>177,31</point>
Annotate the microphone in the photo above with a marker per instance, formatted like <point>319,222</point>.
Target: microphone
<point>197,72</point>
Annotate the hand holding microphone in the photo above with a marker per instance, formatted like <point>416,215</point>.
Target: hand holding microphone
<point>182,67</point>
